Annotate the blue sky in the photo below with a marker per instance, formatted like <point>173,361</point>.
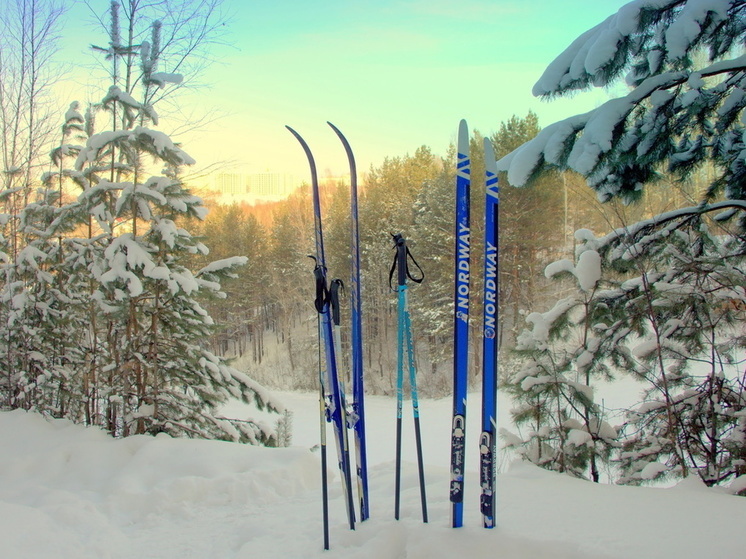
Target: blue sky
<point>392,74</point>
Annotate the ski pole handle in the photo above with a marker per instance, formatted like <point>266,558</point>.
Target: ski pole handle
<point>334,289</point>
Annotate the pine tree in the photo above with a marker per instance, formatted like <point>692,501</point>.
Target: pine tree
<point>678,329</point>
<point>242,316</point>
<point>683,62</point>
<point>389,206</point>
<point>665,319</point>
<point>554,387</point>
<point>43,302</point>
<point>158,374</point>
<point>27,71</point>
<point>292,287</point>
<point>102,319</point>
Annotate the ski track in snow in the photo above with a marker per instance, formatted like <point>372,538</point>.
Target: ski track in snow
<point>69,492</point>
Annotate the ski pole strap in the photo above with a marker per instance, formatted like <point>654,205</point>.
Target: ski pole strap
<point>322,292</point>
<point>401,263</point>
<point>334,289</point>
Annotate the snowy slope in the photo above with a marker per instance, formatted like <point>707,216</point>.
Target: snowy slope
<point>73,493</point>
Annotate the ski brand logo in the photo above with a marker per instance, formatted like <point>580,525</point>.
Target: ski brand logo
<point>463,166</point>
<point>491,184</point>
<point>490,290</point>
<point>462,283</point>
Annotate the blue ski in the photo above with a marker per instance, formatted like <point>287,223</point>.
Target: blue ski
<point>333,399</point>
<point>461,325</point>
<point>357,418</point>
<point>488,438</point>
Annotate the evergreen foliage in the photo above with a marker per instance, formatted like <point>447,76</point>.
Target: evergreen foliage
<point>102,322</point>
<point>683,61</point>
<point>669,307</point>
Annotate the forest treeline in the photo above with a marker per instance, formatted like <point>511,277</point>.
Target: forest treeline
<point>268,321</point>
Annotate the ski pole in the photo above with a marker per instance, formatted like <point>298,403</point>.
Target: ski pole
<point>405,350</point>
<point>324,475</point>
<point>416,412</point>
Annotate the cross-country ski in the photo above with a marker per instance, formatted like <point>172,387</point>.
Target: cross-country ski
<point>333,399</point>
<point>461,324</point>
<point>357,415</point>
<point>490,342</point>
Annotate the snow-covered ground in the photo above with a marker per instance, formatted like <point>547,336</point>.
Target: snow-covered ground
<point>72,493</point>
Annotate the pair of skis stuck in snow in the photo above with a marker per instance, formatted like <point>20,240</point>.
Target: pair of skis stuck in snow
<point>487,439</point>
<point>332,398</point>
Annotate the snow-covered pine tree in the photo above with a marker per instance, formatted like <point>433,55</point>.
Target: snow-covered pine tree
<point>284,428</point>
<point>432,301</point>
<point>684,63</point>
<point>27,72</point>
<point>157,373</point>
<point>564,428</point>
<point>103,323</point>
<point>389,206</point>
<point>671,315</point>
<point>675,322</point>
<point>41,345</point>
<point>242,317</point>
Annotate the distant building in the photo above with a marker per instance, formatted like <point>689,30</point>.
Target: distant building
<point>262,187</point>
<point>253,187</point>
<point>271,185</point>
<point>229,183</point>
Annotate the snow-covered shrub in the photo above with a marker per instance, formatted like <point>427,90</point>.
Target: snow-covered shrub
<point>554,388</point>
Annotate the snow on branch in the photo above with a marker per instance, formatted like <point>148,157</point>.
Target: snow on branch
<point>642,227</point>
<point>96,144</point>
<point>223,265</point>
<point>162,145</point>
<point>601,53</point>
<point>538,336</point>
<point>673,119</point>
<point>160,79</point>
<point>153,141</point>
<point>561,144</point>
<point>587,271</point>
<point>116,94</point>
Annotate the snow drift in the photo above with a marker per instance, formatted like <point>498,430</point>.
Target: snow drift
<point>71,492</point>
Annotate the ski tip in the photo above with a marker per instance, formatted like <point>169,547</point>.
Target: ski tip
<point>337,131</point>
<point>489,150</point>
<point>463,137</point>
<point>463,128</point>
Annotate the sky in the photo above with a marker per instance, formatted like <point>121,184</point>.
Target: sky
<point>393,75</point>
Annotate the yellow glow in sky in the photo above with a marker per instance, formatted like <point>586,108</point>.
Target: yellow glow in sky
<point>392,75</point>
